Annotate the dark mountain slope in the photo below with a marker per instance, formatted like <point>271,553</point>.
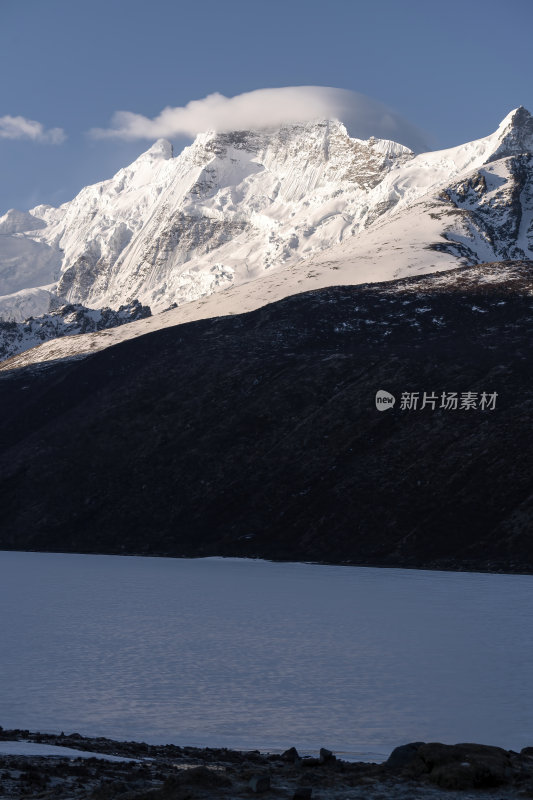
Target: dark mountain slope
<point>258,435</point>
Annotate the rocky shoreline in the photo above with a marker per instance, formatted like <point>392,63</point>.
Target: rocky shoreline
<point>169,772</point>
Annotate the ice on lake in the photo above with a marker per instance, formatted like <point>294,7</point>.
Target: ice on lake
<point>252,654</point>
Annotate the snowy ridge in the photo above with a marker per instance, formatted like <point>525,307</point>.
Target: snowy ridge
<point>70,320</point>
<point>74,347</point>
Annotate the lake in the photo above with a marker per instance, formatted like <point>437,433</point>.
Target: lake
<point>251,654</point>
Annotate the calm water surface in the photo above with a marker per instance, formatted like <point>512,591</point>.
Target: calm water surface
<point>252,654</point>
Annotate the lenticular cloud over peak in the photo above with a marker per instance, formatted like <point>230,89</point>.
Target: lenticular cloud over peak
<point>268,108</point>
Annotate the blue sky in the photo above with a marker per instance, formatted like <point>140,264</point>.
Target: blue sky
<point>452,69</point>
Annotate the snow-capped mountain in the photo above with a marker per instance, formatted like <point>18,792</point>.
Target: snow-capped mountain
<point>228,208</point>
<point>239,219</point>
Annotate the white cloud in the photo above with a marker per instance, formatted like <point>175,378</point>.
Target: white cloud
<point>22,128</point>
<point>268,108</point>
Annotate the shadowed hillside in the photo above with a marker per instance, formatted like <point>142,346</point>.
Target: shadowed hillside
<point>258,434</point>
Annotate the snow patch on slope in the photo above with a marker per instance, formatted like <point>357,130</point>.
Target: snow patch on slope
<point>24,748</point>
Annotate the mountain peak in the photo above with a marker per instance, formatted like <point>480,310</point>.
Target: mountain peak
<point>300,135</point>
<point>516,118</point>
<point>161,149</point>
<point>514,134</point>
